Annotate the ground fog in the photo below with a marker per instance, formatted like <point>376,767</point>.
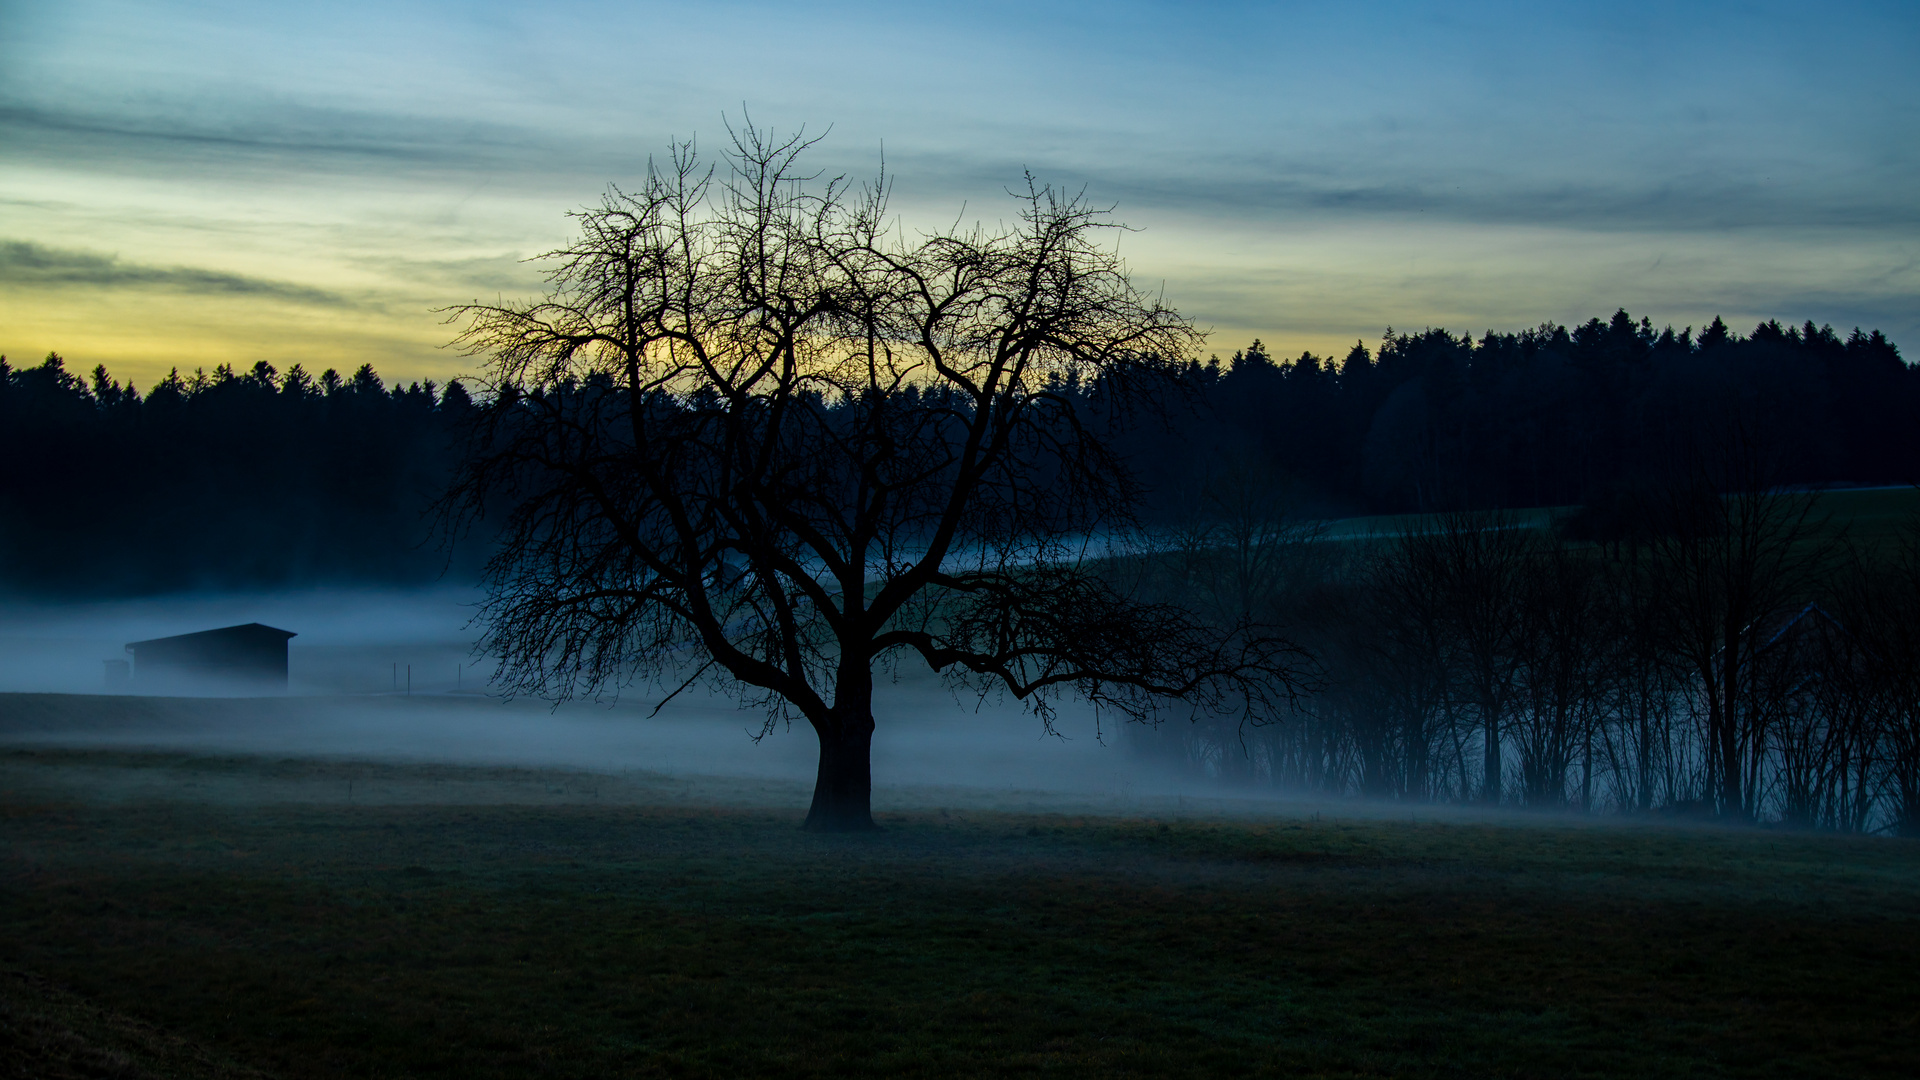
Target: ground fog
<point>394,677</point>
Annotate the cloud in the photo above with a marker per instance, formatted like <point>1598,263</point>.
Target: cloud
<point>220,140</point>
<point>507,274</point>
<point>1314,186</point>
<point>26,263</point>
<point>1435,171</point>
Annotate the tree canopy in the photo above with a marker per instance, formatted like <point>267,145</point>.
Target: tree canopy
<point>751,432</point>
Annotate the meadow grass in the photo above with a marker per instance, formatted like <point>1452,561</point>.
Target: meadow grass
<point>1875,519</point>
<point>597,927</point>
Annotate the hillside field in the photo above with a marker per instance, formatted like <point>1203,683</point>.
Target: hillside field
<point>1873,518</point>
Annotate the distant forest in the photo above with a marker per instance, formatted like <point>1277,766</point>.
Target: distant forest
<point>1546,417</point>
<point>221,480</point>
<point>261,478</point>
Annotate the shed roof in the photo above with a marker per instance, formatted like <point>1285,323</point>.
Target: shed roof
<point>253,630</point>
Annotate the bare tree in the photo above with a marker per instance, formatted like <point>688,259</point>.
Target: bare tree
<point>1820,683</point>
<point>1876,667</point>
<point>1388,644</point>
<point>1568,646</point>
<point>1239,551</point>
<point>1733,551</point>
<point>754,434</point>
<point>1645,753</point>
<point>1474,564</point>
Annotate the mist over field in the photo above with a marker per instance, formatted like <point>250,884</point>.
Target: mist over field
<point>348,638</point>
<point>932,746</point>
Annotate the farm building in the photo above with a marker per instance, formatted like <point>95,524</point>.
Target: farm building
<point>249,657</point>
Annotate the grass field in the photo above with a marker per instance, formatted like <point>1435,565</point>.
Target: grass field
<point>171,915</point>
<point>1873,518</point>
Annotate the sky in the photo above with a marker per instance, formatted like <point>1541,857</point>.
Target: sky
<point>189,184</point>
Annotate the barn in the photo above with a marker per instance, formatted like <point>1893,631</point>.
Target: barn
<point>251,657</point>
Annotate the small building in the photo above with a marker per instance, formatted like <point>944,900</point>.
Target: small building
<point>251,657</point>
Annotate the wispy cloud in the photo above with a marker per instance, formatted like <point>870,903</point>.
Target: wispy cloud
<point>1312,185</point>
<point>176,133</point>
<point>26,263</point>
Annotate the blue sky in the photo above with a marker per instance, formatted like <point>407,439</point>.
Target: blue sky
<point>205,183</point>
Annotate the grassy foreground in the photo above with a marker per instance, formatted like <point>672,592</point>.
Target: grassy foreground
<point>166,915</point>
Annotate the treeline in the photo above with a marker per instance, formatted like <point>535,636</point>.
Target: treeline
<point>1550,416</point>
<point>1742,653</point>
<point>258,477</point>
<point>224,479</point>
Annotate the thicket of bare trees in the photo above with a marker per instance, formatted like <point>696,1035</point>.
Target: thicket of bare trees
<point>1734,654</point>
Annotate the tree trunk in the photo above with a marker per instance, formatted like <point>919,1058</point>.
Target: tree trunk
<point>1731,802</point>
<point>1491,790</point>
<point>843,788</point>
<point>1586,769</point>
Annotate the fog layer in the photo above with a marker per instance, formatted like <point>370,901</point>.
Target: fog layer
<point>392,676</point>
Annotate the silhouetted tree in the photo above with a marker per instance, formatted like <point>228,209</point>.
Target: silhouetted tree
<point>1874,654</point>
<point>1569,647</point>
<point>751,434</point>
<point>1732,552</point>
<point>1475,566</point>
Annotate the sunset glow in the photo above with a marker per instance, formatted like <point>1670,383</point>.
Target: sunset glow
<point>189,184</point>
